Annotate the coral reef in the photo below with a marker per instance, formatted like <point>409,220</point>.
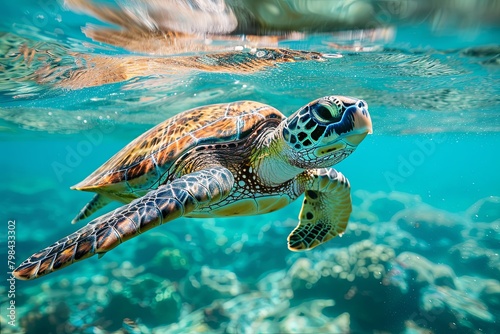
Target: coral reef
<point>402,267</point>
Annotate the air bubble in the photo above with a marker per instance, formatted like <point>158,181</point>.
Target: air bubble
<point>332,55</point>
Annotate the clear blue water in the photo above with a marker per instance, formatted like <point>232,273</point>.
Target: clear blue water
<point>425,187</point>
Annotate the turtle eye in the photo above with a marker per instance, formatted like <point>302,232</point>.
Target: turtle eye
<point>326,113</point>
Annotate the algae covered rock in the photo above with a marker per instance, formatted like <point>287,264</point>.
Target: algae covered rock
<point>486,234</point>
<point>155,243</point>
<point>309,317</point>
<point>118,308</point>
<point>353,276</point>
<point>400,241</point>
<point>453,309</point>
<point>435,231</point>
<point>54,320</point>
<point>276,285</point>
<point>428,223</point>
<point>156,300</point>
<point>485,210</point>
<point>423,272</point>
<point>364,263</point>
<point>381,206</point>
<point>207,283</point>
<point>490,295</point>
<point>251,312</point>
<point>361,262</point>
<point>159,294</point>
<point>171,263</point>
<point>447,302</point>
<point>469,257</point>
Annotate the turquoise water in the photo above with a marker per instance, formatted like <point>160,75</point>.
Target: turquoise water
<point>421,251</point>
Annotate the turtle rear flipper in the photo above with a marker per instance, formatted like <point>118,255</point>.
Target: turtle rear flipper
<point>168,202</point>
<point>97,202</point>
<point>325,210</point>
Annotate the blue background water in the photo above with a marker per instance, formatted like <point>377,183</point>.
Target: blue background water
<point>415,182</point>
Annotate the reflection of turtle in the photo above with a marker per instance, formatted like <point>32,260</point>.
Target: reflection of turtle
<point>241,158</point>
<point>53,64</point>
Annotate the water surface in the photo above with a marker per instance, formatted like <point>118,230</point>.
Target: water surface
<point>421,250</point>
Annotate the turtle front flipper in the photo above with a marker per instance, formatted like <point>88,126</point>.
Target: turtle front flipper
<point>325,210</point>
<point>96,203</point>
<point>173,200</point>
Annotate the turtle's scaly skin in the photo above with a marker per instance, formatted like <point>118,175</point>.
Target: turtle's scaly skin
<point>241,158</point>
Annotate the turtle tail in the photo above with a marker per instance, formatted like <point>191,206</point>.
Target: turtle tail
<point>159,206</point>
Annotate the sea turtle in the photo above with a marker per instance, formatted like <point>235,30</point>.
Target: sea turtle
<point>239,158</point>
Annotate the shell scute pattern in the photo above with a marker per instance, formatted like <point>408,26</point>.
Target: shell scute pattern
<point>144,163</point>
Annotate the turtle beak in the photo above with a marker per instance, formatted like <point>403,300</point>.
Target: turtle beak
<point>362,124</point>
<point>355,139</point>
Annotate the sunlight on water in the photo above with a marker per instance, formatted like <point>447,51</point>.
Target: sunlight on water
<point>79,80</point>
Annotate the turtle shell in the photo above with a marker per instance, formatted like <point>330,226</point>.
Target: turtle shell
<point>143,164</point>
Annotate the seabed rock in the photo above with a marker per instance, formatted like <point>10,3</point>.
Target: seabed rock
<point>486,234</point>
<point>153,299</point>
<point>423,272</point>
<point>158,294</point>
<point>353,276</point>
<point>171,263</point>
<point>448,309</point>
<point>381,206</point>
<point>469,257</point>
<point>490,295</point>
<point>55,319</point>
<point>435,230</point>
<point>485,210</point>
<point>308,317</point>
<point>211,284</point>
<point>400,241</point>
<point>276,285</point>
<point>446,302</point>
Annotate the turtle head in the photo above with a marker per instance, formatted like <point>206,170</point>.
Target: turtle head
<point>326,131</point>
